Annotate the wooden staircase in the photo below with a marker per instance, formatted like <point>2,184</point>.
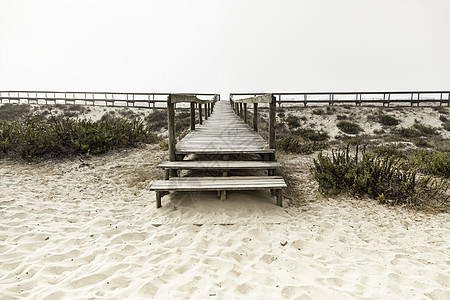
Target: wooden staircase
<point>222,135</point>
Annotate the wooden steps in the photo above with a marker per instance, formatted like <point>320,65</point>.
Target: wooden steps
<point>223,184</point>
<point>222,133</point>
<point>219,165</point>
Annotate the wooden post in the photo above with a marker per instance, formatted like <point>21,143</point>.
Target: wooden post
<point>192,116</point>
<point>272,117</point>
<point>158,199</point>
<point>280,197</point>
<point>171,130</point>
<point>255,117</point>
<point>241,111</point>
<point>171,127</point>
<point>200,118</point>
<point>206,111</point>
<point>245,112</point>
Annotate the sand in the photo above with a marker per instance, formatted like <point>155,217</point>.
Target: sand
<point>78,231</point>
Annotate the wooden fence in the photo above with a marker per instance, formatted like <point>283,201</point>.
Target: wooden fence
<point>405,98</point>
<point>139,100</point>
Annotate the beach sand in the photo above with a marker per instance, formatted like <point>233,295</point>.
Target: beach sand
<point>78,231</point>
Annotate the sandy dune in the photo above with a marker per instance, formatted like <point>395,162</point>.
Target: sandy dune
<point>74,231</point>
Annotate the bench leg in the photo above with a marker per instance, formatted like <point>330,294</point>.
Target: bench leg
<point>158,199</point>
<point>166,174</point>
<point>279,197</point>
<point>223,195</point>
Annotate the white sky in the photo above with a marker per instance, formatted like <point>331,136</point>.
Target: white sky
<point>224,46</point>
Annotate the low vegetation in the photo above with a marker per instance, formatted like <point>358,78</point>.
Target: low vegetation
<point>387,120</point>
<point>296,145</point>
<point>349,127</point>
<point>60,136</point>
<point>11,112</point>
<point>380,177</point>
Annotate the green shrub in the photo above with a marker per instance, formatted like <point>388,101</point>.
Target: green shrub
<point>408,132</point>
<point>156,120</point>
<point>295,145</point>
<point>425,130</point>
<point>349,127</point>
<point>58,136</point>
<point>443,118</point>
<point>389,151</point>
<point>11,112</point>
<point>164,145</point>
<point>388,120</point>
<point>431,162</point>
<point>446,126</point>
<point>293,121</point>
<point>311,134</point>
<point>378,177</point>
<point>318,111</point>
<point>341,117</point>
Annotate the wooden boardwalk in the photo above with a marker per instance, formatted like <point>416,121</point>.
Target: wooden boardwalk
<point>222,135</point>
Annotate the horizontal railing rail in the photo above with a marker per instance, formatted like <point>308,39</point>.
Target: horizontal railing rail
<point>358,98</point>
<point>113,99</point>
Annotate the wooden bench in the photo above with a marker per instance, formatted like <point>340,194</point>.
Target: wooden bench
<point>222,184</point>
<point>270,166</point>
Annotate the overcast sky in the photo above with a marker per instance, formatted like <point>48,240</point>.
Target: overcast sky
<point>225,46</point>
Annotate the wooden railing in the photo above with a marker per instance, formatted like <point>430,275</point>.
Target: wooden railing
<point>240,107</point>
<point>112,99</point>
<point>402,98</point>
<point>172,100</point>
<point>142,100</point>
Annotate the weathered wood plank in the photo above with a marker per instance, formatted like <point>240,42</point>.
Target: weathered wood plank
<point>219,164</point>
<point>219,183</point>
<point>267,98</point>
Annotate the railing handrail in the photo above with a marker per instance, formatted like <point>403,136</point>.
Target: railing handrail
<point>344,93</point>
<point>358,98</point>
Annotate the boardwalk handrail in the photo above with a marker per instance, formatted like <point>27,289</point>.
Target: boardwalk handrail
<point>386,98</point>
<point>172,100</point>
<point>240,107</point>
<point>112,99</point>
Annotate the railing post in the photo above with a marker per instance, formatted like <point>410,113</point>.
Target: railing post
<point>200,117</point>
<point>206,111</point>
<point>192,116</point>
<point>255,117</point>
<point>241,113</point>
<point>245,113</point>
<point>171,128</point>
<point>272,116</point>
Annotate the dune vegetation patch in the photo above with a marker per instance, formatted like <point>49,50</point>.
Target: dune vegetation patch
<point>61,136</point>
<point>385,178</point>
<point>349,127</point>
<point>11,112</point>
